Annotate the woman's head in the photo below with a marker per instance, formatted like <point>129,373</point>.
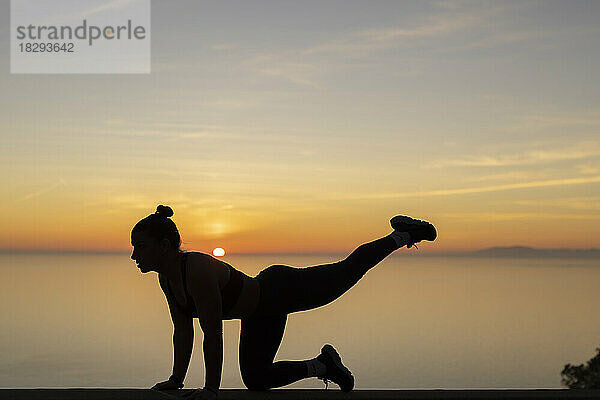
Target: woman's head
<point>154,236</point>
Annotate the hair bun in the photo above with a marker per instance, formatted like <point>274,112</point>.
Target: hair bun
<point>164,211</point>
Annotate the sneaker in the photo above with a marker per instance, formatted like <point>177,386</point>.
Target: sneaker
<point>336,371</point>
<point>417,229</point>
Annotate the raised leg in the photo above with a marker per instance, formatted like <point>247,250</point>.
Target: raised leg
<point>286,289</point>
<point>323,284</point>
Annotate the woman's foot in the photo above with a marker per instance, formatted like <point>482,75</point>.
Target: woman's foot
<point>417,229</point>
<point>336,371</point>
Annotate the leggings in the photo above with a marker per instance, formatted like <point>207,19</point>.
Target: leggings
<point>285,290</point>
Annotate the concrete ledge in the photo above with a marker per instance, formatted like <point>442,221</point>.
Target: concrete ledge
<point>293,394</point>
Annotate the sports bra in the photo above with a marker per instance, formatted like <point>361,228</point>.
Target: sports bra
<point>229,294</point>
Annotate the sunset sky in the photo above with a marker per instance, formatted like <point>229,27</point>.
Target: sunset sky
<point>305,126</point>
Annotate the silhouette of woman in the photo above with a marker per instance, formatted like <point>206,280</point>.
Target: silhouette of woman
<point>198,285</point>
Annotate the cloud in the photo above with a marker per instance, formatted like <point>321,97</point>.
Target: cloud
<point>295,65</point>
<point>588,169</point>
<point>498,39</point>
<point>452,17</point>
<point>531,157</point>
<point>381,38</point>
<point>78,15</point>
<point>572,203</point>
<point>359,42</point>
<point>551,119</point>
<point>115,4</point>
<point>59,184</point>
<point>554,120</point>
<point>472,190</point>
<point>130,201</point>
<point>499,216</point>
<point>298,73</point>
<point>303,65</point>
<point>183,130</point>
<point>512,176</point>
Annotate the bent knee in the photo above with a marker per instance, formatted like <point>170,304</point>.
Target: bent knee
<point>256,385</point>
<point>255,381</point>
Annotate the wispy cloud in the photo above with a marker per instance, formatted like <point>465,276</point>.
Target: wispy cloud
<point>510,176</point>
<point>587,169</point>
<point>591,119</point>
<point>296,64</point>
<point>497,39</point>
<point>60,183</point>
<point>304,65</point>
<point>502,216</point>
<point>567,203</point>
<point>184,130</point>
<point>359,42</point>
<point>298,73</point>
<point>115,4</point>
<point>79,14</point>
<point>532,157</point>
<point>471,190</point>
<point>452,17</point>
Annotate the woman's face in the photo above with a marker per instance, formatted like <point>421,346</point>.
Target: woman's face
<point>146,251</point>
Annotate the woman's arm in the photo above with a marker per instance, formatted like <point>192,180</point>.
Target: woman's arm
<point>183,342</point>
<point>213,359</point>
<point>183,335</point>
<point>204,289</point>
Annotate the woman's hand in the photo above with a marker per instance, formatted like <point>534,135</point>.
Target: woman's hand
<point>200,394</point>
<point>167,385</point>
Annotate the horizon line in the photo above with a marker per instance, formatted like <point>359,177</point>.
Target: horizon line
<point>480,251</point>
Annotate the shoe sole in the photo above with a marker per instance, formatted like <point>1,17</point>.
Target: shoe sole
<point>403,223</point>
<point>337,360</point>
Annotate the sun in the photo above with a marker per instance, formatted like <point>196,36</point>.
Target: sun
<point>218,252</point>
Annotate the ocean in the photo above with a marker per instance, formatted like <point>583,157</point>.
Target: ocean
<point>413,322</point>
